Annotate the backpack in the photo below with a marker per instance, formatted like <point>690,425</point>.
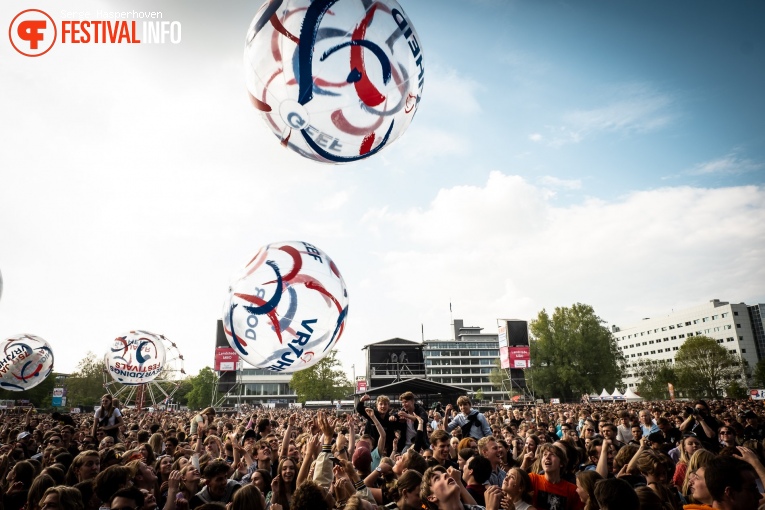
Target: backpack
<point>472,421</point>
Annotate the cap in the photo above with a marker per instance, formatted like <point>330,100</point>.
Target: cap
<point>362,459</point>
<point>249,433</point>
<point>22,435</point>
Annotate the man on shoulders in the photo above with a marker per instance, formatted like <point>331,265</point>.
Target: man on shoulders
<point>472,423</point>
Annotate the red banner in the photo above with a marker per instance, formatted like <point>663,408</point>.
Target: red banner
<point>225,359</point>
<point>518,357</point>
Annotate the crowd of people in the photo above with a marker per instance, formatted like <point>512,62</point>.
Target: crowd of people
<point>391,455</point>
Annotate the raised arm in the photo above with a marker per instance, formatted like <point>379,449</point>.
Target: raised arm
<point>602,467</point>
<point>634,460</point>
<point>380,430</point>
<point>287,436</point>
<point>312,450</point>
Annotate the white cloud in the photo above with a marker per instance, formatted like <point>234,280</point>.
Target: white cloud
<point>535,137</point>
<point>447,90</point>
<point>630,109</point>
<point>555,182</point>
<point>730,164</point>
<point>504,249</point>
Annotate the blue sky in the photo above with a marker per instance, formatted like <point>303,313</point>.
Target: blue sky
<point>610,153</point>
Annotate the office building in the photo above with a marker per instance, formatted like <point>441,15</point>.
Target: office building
<point>736,326</point>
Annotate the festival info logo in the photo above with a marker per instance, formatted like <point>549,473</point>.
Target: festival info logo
<point>32,32</point>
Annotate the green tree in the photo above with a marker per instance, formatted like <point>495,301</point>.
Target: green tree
<point>202,386</point>
<point>759,373</point>
<point>479,395</point>
<point>654,380</point>
<point>323,381</point>
<point>500,380</point>
<point>181,395</point>
<point>85,385</point>
<point>736,390</point>
<point>573,353</point>
<point>705,368</point>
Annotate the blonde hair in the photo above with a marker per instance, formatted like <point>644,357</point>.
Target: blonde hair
<point>700,458</point>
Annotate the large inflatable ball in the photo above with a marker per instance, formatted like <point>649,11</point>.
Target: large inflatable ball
<point>136,357</point>
<point>335,80</point>
<point>26,361</point>
<point>286,308</point>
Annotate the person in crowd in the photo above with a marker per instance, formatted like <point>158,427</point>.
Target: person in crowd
<point>469,420</point>
<point>408,417</point>
<point>517,490</point>
<point>732,483</point>
<point>476,475</point>
<point>442,489</point>
<point>61,498</point>
<point>549,488</point>
<point>585,488</point>
<point>616,494</point>
<point>382,412</point>
<point>218,488</point>
<point>107,419</point>
<point>439,443</point>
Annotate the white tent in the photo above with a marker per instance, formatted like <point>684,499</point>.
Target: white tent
<point>631,396</point>
<point>616,395</point>
<point>604,395</point>
<point>595,397</point>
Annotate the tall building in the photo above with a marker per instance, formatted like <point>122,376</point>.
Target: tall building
<point>735,326</point>
<point>465,361</point>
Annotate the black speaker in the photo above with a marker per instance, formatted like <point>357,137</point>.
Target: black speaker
<point>517,333</point>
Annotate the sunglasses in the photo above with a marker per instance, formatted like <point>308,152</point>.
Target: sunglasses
<point>725,433</point>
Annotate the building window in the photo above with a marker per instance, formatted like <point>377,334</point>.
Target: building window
<point>688,323</point>
<point>683,335</point>
<point>735,313</point>
<point>725,315</point>
<point>743,351</point>
<point>738,326</point>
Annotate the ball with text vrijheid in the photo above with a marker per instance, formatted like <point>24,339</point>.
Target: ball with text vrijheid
<point>26,361</point>
<point>286,308</point>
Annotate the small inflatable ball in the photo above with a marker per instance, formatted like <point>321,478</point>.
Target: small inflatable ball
<point>286,308</point>
<point>335,80</point>
<point>136,357</point>
<point>27,360</point>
